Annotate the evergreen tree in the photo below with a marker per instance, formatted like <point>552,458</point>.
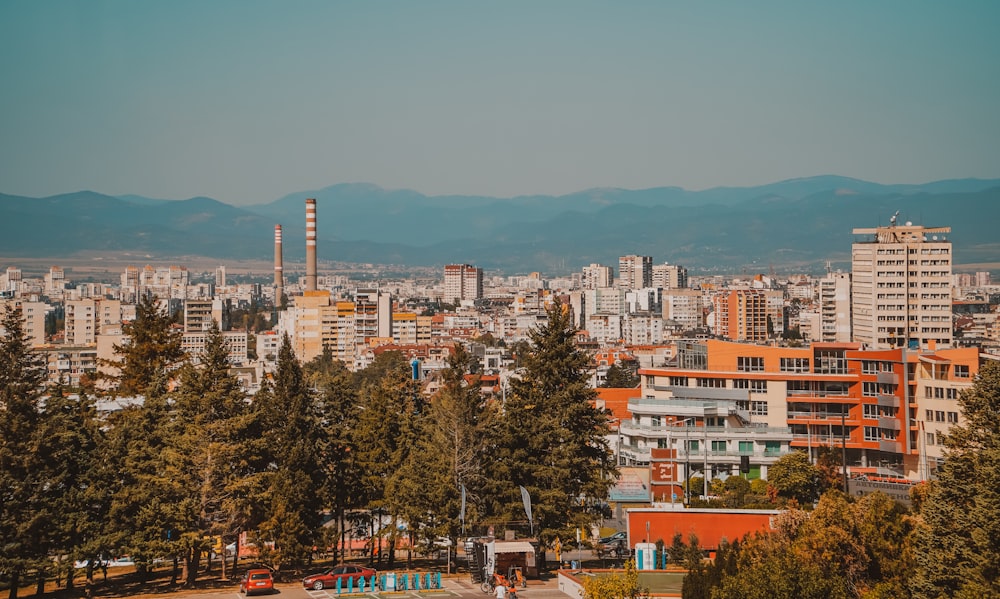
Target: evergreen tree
<point>339,408</point>
<point>295,477</point>
<point>385,433</point>
<point>152,347</point>
<point>147,515</point>
<point>957,542</point>
<point>25,503</point>
<point>447,455</point>
<point>552,438</point>
<point>620,377</point>
<point>208,423</point>
<point>70,441</point>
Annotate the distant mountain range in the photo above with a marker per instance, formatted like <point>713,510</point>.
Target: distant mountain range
<point>795,225</point>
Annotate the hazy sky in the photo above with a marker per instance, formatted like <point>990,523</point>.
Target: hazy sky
<point>246,101</point>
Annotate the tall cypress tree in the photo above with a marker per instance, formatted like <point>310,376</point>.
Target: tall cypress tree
<point>552,439</point>
<point>25,504</point>
<point>957,540</point>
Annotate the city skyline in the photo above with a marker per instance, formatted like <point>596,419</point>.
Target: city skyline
<point>246,102</point>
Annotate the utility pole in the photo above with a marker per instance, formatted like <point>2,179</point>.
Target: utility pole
<point>843,444</point>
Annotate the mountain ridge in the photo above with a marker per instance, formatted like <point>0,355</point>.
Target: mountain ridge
<point>792,224</point>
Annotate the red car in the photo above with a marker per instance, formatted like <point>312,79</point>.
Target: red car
<point>257,581</point>
<point>345,573</point>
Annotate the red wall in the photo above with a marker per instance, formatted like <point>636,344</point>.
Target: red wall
<point>711,526</point>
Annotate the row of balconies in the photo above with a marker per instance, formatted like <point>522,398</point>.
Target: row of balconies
<point>642,454</point>
<point>713,433</point>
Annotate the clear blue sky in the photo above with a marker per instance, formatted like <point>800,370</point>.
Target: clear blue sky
<point>245,101</point>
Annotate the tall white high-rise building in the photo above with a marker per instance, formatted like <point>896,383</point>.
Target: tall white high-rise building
<point>462,282</point>
<point>635,272</point>
<point>901,287</point>
<point>834,308</point>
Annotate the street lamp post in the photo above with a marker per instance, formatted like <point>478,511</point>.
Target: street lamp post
<point>687,458</point>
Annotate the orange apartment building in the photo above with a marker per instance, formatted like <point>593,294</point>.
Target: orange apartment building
<point>888,407</point>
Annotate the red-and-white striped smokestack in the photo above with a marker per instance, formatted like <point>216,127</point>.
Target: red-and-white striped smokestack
<point>279,268</point>
<point>310,245</point>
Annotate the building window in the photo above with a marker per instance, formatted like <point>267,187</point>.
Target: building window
<point>679,381</point>
<point>953,417</point>
<point>939,416</point>
<point>749,364</point>
<point>870,410</point>
<point>871,433</point>
<point>794,365</point>
<point>655,421</point>
<point>746,447</point>
<point>758,408</point>
<point>961,371</point>
<point>714,383</point>
<point>929,438</point>
<point>929,415</point>
<point>692,445</point>
<point>718,447</point>
<point>869,389</point>
<point>952,393</point>
<point>869,367</point>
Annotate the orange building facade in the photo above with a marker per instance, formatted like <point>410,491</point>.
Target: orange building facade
<point>887,408</point>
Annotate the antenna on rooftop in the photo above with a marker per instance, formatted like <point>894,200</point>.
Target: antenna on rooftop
<point>892,219</point>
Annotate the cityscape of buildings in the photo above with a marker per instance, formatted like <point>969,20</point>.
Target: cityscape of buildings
<point>733,371</point>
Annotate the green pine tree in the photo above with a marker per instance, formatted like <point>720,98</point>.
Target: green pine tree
<point>448,453</point>
<point>26,505</point>
<point>552,439</point>
<point>957,541</point>
<point>385,433</point>
<point>339,408</point>
<point>293,482</point>
<point>152,348</point>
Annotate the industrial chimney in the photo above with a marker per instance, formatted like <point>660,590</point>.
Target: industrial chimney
<point>279,275</point>
<point>310,244</point>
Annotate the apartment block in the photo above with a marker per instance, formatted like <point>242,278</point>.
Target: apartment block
<point>596,276</point>
<point>741,315</point>
<point>901,287</point>
<point>462,282</point>
<point>32,318</point>
<point>669,276</point>
<point>199,314</point>
<point>635,272</point>
<point>834,297</point>
<point>886,408</point>
<point>686,307</point>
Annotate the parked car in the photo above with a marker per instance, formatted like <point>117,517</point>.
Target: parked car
<point>612,541</point>
<point>257,580</point>
<point>345,573</point>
